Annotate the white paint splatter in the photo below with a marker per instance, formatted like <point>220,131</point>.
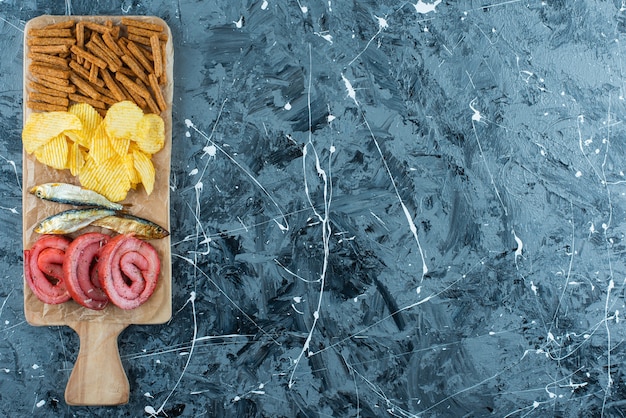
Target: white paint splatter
<point>287,106</point>
<point>425,8</point>
<point>239,23</point>
<point>382,25</point>
<point>210,150</point>
<point>264,5</point>
<point>303,9</point>
<point>351,92</point>
<point>382,22</point>
<point>325,35</point>
<point>476,116</point>
<point>41,403</point>
<point>520,245</point>
<point>17,177</point>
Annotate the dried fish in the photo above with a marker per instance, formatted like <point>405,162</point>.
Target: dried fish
<point>141,228</point>
<point>73,195</point>
<point>71,220</point>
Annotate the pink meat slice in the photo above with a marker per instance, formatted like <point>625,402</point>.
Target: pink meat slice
<point>128,270</point>
<point>80,270</point>
<point>43,269</point>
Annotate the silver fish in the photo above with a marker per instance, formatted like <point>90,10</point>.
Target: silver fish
<point>123,223</point>
<point>71,220</point>
<point>73,195</point>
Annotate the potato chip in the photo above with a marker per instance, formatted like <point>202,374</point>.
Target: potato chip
<point>88,174</point>
<point>131,172</point>
<point>42,127</point>
<point>75,158</point>
<point>150,133</point>
<point>107,178</point>
<point>119,145</point>
<point>145,168</point>
<point>90,119</point>
<point>109,155</point>
<point>122,118</point>
<point>115,184</point>
<point>54,152</point>
<point>101,147</point>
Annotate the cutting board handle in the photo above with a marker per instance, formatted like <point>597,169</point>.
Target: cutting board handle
<point>98,377</point>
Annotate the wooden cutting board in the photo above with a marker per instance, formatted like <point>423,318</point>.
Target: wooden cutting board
<point>98,377</point>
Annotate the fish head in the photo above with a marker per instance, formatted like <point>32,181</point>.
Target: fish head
<point>162,232</point>
<point>43,191</point>
<point>39,191</point>
<point>47,227</point>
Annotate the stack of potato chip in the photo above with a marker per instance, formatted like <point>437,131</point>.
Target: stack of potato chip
<point>109,155</point>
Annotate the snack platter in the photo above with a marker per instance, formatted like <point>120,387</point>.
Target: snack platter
<point>110,321</point>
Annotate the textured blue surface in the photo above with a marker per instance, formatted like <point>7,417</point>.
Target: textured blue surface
<point>378,209</point>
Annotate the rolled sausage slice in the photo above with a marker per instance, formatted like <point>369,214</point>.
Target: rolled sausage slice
<point>43,269</point>
<point>128,269</point>
<point>80,270</point>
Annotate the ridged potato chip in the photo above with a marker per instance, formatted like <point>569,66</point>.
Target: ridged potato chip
<point>107,178</point>
<point>145,168</point>
<point>42,127</point>
<point>101,147</point>
<point>75,158</point>
<point>115,184</point>
<point>90,120</point>
<point>131,172</point>
<point>54,152</point>
<point>122,118</point>
<point>120,145</point>
<point>88,174</point>
<point>150,134</point>
<point>109,155</point>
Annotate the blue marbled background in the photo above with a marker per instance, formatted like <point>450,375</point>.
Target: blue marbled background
<point>382,209</point>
